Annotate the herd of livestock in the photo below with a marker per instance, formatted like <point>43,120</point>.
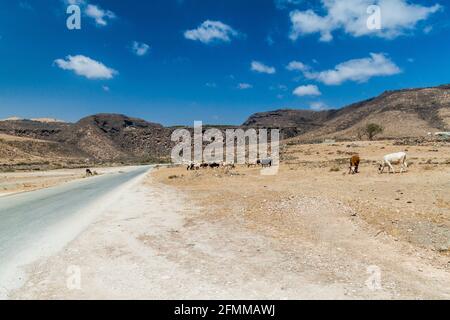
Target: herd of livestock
<point>355,161</point>
<point>387,162</point>
<point>214,165</point>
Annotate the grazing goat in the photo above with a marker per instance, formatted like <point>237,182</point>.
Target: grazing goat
<point>214,165</point>
<point>265,162</point>
<point>192,167</point>
<point>89,173</point>
<point>394,158</point>
<point>253,164</point>
<point>354,164</point>
<point>229,165</point>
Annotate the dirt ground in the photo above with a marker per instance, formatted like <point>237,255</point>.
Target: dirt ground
<point>413,207</point>
<point>155,241</point>
<point>310,232</point>
<point>410,210</point>
<point>15,182</point>
<point>24,181</point>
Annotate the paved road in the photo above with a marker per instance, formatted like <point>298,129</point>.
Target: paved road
<point>25,217</point>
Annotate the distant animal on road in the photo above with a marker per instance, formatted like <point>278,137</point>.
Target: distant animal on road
<point>354,164</point>
<point>394,158</point>
<point>89,173</point>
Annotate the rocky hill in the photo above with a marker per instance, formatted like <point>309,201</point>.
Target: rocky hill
<point>289,118</point>
<point>292,122</point>
<point>403,113</point>
<point>94,139</point>
<point>121,138</point>
<point>114,138</point>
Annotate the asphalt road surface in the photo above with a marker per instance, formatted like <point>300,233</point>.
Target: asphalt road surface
<point>25,218</point>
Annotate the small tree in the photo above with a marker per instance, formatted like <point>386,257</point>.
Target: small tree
<point>373,129</point>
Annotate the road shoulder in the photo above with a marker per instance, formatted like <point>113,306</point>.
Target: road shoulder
<point>160,242</point>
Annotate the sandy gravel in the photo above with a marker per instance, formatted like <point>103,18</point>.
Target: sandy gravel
<point>167,248</point>
<point>24,181</point>
<point>310,232</point>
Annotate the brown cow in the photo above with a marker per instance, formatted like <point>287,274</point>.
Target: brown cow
<point>354,164</point>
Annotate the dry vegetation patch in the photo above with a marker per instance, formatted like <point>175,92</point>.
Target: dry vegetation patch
<point>409,208</point>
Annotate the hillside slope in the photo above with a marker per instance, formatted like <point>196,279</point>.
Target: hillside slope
<point>403,113</point>
<point>29,153</point>
<point>108,138</point>
<point>121,137</point>
<point>97,138</point>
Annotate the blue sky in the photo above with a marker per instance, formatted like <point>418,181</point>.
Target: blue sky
<point>173,61</point>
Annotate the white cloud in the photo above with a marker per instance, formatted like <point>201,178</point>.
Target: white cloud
<point>75,2</point>
<point>140,49</point>
<point>211,31</point>
<point>100,16</point>
<point>397,18</point>
<point>297,66</point>
<point>244,86</point>
<point>358,70</point>
<point>308,90</point>
<point>307,22</point>
<point>427,29</point>
<point>105,88</point>
<point>25,5</point>
<point>211,85</point>
<point>319,106</point>
<point>95,12</point>
<point>86,67</point>
<point>262,68</point>
<point>282,87</point>
<point>279,87</point>
<point>283,4</point>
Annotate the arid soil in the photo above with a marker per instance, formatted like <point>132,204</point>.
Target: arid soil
<point>310,232</point>
<point>14,182</point>
<point>24,181</point>
<point>331,225</point>
<point>25,153</point>
<point>413,207</point>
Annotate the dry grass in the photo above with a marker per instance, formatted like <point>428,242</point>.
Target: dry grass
<point>413,207</point>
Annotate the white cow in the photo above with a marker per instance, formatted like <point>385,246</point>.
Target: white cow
<point>394,158</point>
